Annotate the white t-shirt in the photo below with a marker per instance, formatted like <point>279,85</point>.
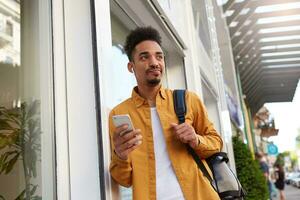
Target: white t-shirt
<point>167,186</point>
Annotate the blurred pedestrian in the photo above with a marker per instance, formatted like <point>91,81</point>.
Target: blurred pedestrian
<point>265,169</point>
<point>279,183</point>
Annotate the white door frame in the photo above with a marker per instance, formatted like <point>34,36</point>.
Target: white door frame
<point>75,108</point>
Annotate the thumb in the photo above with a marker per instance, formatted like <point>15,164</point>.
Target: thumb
<point>174,124</point>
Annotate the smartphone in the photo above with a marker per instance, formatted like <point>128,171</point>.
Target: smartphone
<point>119,120</point>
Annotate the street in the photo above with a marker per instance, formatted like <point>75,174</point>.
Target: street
<point>291,193</point>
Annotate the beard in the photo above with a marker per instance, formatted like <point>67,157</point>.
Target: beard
<point>153,82</point>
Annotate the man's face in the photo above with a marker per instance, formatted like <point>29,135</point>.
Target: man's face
<point>148,63</point>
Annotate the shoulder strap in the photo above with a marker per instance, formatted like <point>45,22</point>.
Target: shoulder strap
<point>179,104</point>
<point>180,110</point>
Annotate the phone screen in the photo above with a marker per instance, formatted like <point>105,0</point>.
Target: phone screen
<point>119,120</point>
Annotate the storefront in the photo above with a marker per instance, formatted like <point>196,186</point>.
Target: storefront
<point>62,69</point>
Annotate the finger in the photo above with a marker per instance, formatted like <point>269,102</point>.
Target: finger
<point>189,138</point>
<point>125,150</point>
<point>173,124</point>
<point>179,126</point>
<point>183,137</point>
<point>131,134</point>
<point>186,136</point>
<point>119,139</point>
<point>128,143</point>
<point>123,143</point>
<point>183,140</point>
<point>183,130</point>
<point>120,129</point>
<point>130,149</point>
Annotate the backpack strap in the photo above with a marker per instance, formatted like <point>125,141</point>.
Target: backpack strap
<point>180,110</point>
<point>179,104</point>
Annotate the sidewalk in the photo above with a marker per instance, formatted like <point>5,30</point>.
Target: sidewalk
<point>291,193</point>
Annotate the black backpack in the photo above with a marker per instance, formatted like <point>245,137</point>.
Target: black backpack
<point>224,180</point>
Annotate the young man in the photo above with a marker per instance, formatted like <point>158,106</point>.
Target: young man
<point>153,158</point>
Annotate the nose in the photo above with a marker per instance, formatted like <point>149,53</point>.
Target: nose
<point>153,62</point>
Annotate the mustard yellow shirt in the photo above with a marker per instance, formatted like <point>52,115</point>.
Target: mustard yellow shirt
<point>138,170</point>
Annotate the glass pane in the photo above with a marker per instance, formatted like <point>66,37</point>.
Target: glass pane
<point>25,102</point>
<point>211,103</point>
<point>175,11</point>
<point>121,81</point>
<point>201,23</point>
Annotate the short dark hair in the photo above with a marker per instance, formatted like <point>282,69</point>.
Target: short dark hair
<point>138,35</point>
<point>259,155</point>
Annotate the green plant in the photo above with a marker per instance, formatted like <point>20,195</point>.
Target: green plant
<point>20,140</point>
<point>280,159</point>
<point>297,139</point>
<point>249,173</point>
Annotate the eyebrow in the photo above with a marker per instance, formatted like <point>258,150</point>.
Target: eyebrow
<point>146,53</point>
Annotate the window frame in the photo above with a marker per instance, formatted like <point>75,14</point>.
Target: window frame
<point>74,77</point>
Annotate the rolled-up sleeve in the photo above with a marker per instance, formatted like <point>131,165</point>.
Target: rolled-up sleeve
<point>210,141</point>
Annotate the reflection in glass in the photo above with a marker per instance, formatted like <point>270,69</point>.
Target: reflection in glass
<point>119,80</point>
<point>20,101</point>
<point>201,23</point>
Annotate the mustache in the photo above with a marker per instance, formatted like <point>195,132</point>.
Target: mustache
<point>154,68</point>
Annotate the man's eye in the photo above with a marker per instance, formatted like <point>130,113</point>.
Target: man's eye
<point>159,57</point>
<point>143,57</point>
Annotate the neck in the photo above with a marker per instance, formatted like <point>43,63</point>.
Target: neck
<point>149,93</point>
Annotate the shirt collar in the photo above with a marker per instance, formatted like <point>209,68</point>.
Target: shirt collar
<point>138,100</point>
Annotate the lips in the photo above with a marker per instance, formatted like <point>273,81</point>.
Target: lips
<point>154,71</point>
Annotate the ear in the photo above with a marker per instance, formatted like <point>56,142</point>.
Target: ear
<point>130,67</point>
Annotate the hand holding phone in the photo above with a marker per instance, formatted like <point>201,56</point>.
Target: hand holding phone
<point>125,140</point>
<point>119,120</point>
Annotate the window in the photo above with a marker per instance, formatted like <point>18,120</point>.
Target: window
<point>26,139</point>
<point>201,23</point>
<point>9,28</point>
<point>120,80</point>
<point>211,103</point>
